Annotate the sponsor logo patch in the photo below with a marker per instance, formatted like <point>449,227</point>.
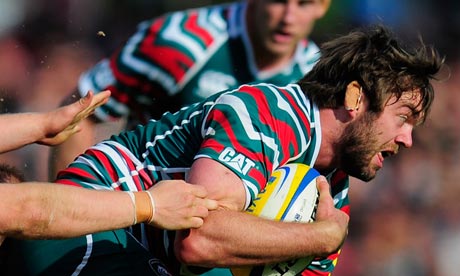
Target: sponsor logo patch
<point>236,160</point>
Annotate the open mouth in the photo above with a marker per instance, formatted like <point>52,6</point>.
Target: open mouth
<point>386,153</point>
<point>282,37</point>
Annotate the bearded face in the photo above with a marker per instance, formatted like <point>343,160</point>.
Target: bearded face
<point>357,147</point>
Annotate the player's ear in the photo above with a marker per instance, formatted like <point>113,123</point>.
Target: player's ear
<point>353,97</point>
<point>323,7</point>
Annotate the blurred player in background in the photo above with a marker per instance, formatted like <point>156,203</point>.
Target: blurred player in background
<point>356,107</point>
<point>183,57</point>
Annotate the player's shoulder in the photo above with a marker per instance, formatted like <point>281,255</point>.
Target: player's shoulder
<point>275,98</point>
<point>209,20</point>
<point>263,89</point>
<point>269,89</point>
<point>307,54</point>
<point>308,46</point>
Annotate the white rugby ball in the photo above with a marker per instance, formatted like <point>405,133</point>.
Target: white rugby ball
<point>290,195</point>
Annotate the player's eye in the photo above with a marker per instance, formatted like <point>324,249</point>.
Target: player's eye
<point>403,118</point>
<point>278,1</point>
<point>306,2</point>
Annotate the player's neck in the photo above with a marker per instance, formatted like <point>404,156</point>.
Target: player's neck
<point>332,125</point>
<point>267,61</point>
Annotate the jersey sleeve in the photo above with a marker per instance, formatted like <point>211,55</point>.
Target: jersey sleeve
<point>253,131</point>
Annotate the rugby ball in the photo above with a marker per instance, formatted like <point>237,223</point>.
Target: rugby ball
<point>290,195</point>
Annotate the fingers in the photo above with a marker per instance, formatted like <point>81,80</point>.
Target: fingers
<point>75,129</point>
<point>195,222</point>
<point>94,100</point>
<point>86,100</point>
<point>323,189</point>
<point>198,191</point>
<point>208,204</point>
<point>211,204</point>
<point>199,212</point>
<point>89,103</point>
<point>322,185</point>
<point>102,97</point>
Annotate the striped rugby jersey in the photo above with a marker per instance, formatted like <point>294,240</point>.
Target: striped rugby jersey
<point>251,130</point>
<point>182,58</point>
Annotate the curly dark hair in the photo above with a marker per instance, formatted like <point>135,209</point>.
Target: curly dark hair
<point>9,173</point>
<point>374,58</point>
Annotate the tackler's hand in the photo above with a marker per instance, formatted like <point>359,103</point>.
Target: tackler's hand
<point>61,123</point>
<point>179,205</point>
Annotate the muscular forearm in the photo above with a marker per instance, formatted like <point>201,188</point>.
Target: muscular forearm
<point>229,238</point>
<point>35,210</point>
<point>21,129</point>
<point>47,210</point>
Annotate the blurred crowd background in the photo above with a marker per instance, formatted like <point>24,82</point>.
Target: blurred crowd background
<point>406,222</point>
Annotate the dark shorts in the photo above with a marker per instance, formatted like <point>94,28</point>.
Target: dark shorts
<point>104,253</point>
